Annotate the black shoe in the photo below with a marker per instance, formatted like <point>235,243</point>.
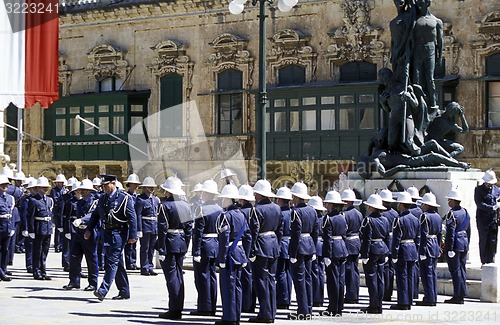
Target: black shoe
<point>66,269</point>
<point>371,310</point>
<point>349,301</point>
<point>388,299</point>
<point>202,313</point>
<point>83,275</point>
<point>47,278</point>
<point>226,322</point>
<point>29,269</point>
<point>8,273</point>
<point>454,300</point>
<point>425,303</point>
<point>70,287</point>
<point>280,307</point>
<point>38,277</point>
<point>171,315</point>
<point>120,297</point>
<point>145,273</point>
<point>400,307</point>
<point>89,288</point>
<point>5,278</point>
<point>260,320</point>
<point>151,272</point>
<point>132,267</point>
<point>99,295</point>
<point>318,304</point>
<point>101,268</point>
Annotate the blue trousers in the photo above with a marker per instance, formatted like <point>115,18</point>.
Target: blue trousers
<point>205,280</point>
<point>335,281</point>
<point>352,278</point>
<point>12,243</point>
<point>147,251</point>
<point>405,281</point>
<point>264,277</point>
<point>41,247</point>
<point>231,294</point>
<point>114,270</point>
<point>488,237</point>
<point>283,282</point>
<point>388,279</point>
<point>248,296</point>
<point>130,255</point>
<point>302,281</point>
<point>456,266</point>
<point>318,280</point>
<point>374,275</point>
<point>4,253</point>
<point>172,270</point>
<point>28,253</point>
<point>428,273</point>
<point>79,248</point>
<point>66,252</point>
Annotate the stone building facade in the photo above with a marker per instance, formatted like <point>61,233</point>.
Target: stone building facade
<point>131,61</point>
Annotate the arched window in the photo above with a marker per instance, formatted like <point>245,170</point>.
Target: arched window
<point>493,90</point>
<point>291,75</point>
<point>229,102</point>
<point>170,123</point>
<point>358,71</point>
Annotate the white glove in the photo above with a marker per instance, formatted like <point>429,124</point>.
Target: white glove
<point>252,259</point>
<point>197,259</point>
<point>25,233</point>
<point>293,260</point>
<point>32,235</point>
<point>244,265</point>
<point>62,230</point>
<point>161,257</point>
<point>451,254</point>
<point>327,261</point>
<point>496,206</point>
<point>12,232</point>
<point>386,259</point>
<point>394,260</point>
<point>222,265</point>
<point>139,234</point>
<point>68,236</point>
<point>365,260</point>
<point>76,223</point>
<point>313,258</point>
<point>423,257</point>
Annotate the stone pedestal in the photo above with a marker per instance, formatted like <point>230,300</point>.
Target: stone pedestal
<point>490,283</point>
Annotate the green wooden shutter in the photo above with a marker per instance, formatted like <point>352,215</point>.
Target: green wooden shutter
<point>171,110</point>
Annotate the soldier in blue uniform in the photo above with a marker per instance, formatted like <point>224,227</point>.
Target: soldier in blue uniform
<point>374,235</point>
<point>205,250</point>
<point>70,214</point>
<point>457,245</point>
<point>96,182</point>
<point>40,227</point>
<point>234,247</point>
<point>283,273</point>
<point>249,299</point>
<point>56,193</point>
<point>79,246</point>
<point>16,191</point>
<point>486,198</point>
<point>318,265</point>
<point>146,209</point>
<point>353,243</point>
<point>174,235</point>
<point>334,231</point>
<point>115,211</point>
<point>417,212</point>
<point>19,238</point>
<point>391,215</point>
<point>130,250</point>
<point>25,221</point>
<point>405,241</point>
<point>266,228</point>
<point>429,248</point>
<point>302,250</point>
<point>6,226</point>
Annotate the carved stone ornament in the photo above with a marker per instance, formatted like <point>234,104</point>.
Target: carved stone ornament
<point>487,41</point>
<point>292,47</point>
<point>107,61</point>
<point>357,40</point>
<point>451,49</point>
<point>65,75</point>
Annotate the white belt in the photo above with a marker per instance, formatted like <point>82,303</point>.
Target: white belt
<point>267,233</point>
<point>5,216</point>
<point>404,241</point>
<point>82,226</point>
<point>336,237</point>
<point>285,237</point>
<point>43,219</point>
<point>353,237</point>
<point>390,234</point>
<point>211,235</point>
<point>149,218</point>
<point>176,231</point>
<point>462,232</point>
<point>376,239</point>
<point>431,236</point>
<point>239,243</point>
<point>305,234</point>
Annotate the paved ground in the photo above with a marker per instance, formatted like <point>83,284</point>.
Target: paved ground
<point>28,301</point>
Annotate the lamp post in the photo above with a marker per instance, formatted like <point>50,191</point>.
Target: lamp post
<point>236,7</point>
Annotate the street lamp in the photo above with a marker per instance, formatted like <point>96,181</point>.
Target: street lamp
<point>236,7</point>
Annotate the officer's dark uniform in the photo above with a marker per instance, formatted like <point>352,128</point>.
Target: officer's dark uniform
<point>391,215</point>
<point>234,248</point>
<point>17,193</point>
<point>119,221</point>
<point>267,229</point>
<point>206,245</point>
<point>457,240</point>
<point>374,234</point>
<point>249,299</point>
<point>56,193</point>
<point>40,224</point>
<point>146,209</point>
<point>334,247</point>
<point>283,274</point>
<point>417,212</point>
<point>81,247</point>
<point>303,238</point>
<point>353,243</point>
<point>318,268</point>
<point>130,250</point>
<point>7,202</point>
<point>430,247</point>
<point>405,241</point>
<point>174,235</point>
<point>486,219</point>
<point>28,242</point>
<point>70,214</point>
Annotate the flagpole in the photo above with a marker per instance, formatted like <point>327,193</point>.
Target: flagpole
<point>26,133</point>
<point>19,139</point>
